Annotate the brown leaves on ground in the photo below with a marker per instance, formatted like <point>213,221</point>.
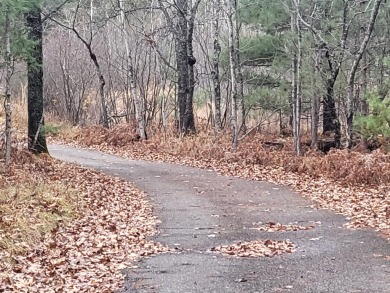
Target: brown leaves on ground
<point>278,227</point>
<point>85,250</point>
<point>257,248</point>
<point>352,183</point>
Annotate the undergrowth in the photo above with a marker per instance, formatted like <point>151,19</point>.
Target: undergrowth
<point>344,166</point>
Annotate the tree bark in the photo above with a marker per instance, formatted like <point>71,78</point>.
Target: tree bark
<point>139,105</point>
<point>182,64</point>
<point>315,114</point>
<point>185,81</point>
<point>182,30</point>
<point>331,122</point>
<point>231,14</point>
<point>8,74</point>
<point>330,119</point>
<point>215,64</point>
<point>36,135</point>
<point>241,120</point>
<point>189,114</point>
<point>102,81</point>
<point>296,80</point>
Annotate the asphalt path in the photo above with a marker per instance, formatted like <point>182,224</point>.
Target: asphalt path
<point>201,209</point>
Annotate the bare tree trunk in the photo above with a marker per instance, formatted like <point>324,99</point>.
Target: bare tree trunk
<point>182,64</point>
<point>189,115</point>
<point>139,105</point>
<point>241,117</point>
<point>364,68</point>
<point>215,71</point>
<point>231,15</point>
<point>8,69</point>
<point>102,81</point>
<point>333,63</point>
<point>185,61</point>
<point>296,80</point>
<point>315,118</point>
<point>36,137</point>
<point>352,73</point>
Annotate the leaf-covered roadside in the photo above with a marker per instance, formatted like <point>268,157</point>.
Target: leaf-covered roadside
<point>85,251</point>
<point>349,182</point>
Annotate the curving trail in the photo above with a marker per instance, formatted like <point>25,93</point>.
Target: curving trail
<point>200,209</point>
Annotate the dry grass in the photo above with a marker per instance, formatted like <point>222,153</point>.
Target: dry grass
<point>32,210</point>
<point>344,166</point>
<point>64,228</point>
<point>19,116</point>
<point>30,206</point>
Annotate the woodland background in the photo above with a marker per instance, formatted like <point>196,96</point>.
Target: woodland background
<point>293,92</point>
<point>289,67</point>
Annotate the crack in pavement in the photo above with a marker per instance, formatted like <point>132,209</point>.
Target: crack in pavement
<point>194,204</point>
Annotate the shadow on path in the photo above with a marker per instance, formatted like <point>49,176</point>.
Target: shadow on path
<point>200,209</point>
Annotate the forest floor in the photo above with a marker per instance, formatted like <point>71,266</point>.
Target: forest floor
<point>350,183</point>
<point>64,228</point>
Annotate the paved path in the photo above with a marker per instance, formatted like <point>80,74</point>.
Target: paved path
<point>194,204</point>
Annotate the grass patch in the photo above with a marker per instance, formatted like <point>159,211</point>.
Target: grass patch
<point>51,129</point>
<point>31,210</point>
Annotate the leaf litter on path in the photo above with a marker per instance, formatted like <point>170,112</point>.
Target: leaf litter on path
<point>350,183</point>
<point>257,248</point>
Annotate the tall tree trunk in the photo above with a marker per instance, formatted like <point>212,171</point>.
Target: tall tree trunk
<point>189,114</point>
<point>102,81</point>
<point>181,35</point>
<point>36,135</point>
<point>139,105</point>
<point>215,71</point>
<point>8,74</point>
<point>363,89</point>
<point>352,73</point>
<point>296,80</point>
<point>102,96</point>
<point>315,112</point>
<point>184,70</point>
<point>240,80</point>
<point>331,121</point>
<point>364,68</point>
<point>231,15</point>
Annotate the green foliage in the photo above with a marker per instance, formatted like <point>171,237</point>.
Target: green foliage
<point>201,98</point>
<point>269,99</point>
<point>377,123</point>
<point>260,50</point>
<point>271,16</point>
<point>51,129</point>
<point>21,47</point>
